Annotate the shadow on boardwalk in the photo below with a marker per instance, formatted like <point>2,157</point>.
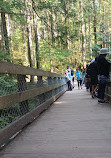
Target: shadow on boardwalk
<point>76,126</point>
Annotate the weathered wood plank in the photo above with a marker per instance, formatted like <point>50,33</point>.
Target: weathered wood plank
<point>13,128</point>
<point>9,68</point>
<point>8,100</point>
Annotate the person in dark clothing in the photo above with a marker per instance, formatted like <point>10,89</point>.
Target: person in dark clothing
<point>87,78</point>
<point>92,71</point>
<point>103,71</point>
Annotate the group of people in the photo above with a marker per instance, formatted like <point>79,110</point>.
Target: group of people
<point>70,76</point>
<point>95,76</point>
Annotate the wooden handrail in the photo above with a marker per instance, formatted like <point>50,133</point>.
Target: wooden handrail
<point>55,87</point>
<point>8,100</point>
<point>10,68</point>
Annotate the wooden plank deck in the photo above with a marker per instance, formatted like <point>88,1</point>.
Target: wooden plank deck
<point>75,126</point>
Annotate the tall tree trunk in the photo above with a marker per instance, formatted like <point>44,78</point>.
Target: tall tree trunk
<point>5,34</point>
<point>50,41</point>
<point>9,31</point>
<point>83,35</point>
<point>80,30</point>
<point>52,37</point>
<point>103,23</point>
<point>94,22</point>
<point>24,42</point>
<point>24,34</point>
<point>101,26</point>
<point>52,27</point>
<point>0,34</point>
<point>29,36</point>
<point>36,43</point>
<point>29,44</point>
<point>89,39</point>
<point>66,20</point>
<point>58,41</point>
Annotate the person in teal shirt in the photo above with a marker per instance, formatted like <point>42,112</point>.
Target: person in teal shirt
<point>79,77</point>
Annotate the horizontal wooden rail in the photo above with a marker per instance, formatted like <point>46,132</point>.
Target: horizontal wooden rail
<point>9,68</point>
<point>16,126</point>
<point>55,84</point>
<point>8,100</point>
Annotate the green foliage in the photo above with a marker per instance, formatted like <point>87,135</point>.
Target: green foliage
<point>12,5</point>
<point>53,54</point>
<point>5,120</point>
<point>7,57</point>
<point>7,85</point>
<point>105,38</point>
<point>60,27</point>
<point>4,56</point>
<point>95,48</point>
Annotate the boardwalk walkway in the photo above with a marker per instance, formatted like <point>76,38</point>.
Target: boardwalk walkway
<point>76,126</point>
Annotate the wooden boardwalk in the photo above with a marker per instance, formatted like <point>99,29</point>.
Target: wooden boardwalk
<point>75,126</point>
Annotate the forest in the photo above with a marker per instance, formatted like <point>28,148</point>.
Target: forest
<point>51,34</point>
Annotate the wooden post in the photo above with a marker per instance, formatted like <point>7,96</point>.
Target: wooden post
<point>50,83</point>
<point>41,98</point>
<point>40,81</point>
<point>21,81</point>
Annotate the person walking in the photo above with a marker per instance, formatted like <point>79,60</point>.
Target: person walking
<point>92,71</point>
<point>84,74</point>
<point>79,77</point>
<point>103,71</point>
<point>87,79</point>
<point>72,77</point>
<point>68,76</point>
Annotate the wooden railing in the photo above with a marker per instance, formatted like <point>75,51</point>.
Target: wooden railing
<point>31,92</point>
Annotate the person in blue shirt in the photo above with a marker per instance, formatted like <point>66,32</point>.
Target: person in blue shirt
<point>79,77</point>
